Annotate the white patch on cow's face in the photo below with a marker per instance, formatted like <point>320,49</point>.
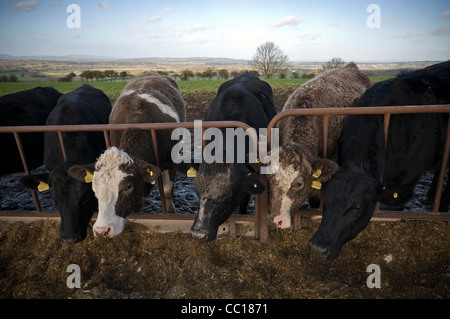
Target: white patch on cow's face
<point>105,184</point>
<point>280,183</point>
<point>166,109</point>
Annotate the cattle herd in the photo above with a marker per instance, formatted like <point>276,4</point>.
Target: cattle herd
<point>114,181</point>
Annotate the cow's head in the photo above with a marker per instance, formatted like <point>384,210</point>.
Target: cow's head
<point>349,200</point>
<point>296,177</point>
<point>120,184</point>
<point>75,201</point>
<point>220,189</point>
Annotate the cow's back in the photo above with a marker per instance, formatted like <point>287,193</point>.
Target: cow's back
<point>416,139</point>
<point>151,98</point>
<point>245,98</point>
<point>85,105</point>
<point>336,88</point>
<point>29,107</point>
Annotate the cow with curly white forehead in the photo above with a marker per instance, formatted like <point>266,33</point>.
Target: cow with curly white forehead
<point>301,169</point>
<point>126,172</point>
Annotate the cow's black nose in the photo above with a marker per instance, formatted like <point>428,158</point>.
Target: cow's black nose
<point>318,248</point>
<point>70,240</point>
<point>199,235</point>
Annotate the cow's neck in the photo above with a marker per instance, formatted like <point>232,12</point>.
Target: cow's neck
<point>138,144</point>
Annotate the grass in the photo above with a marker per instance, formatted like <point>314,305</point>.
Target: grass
<point>113,89</point>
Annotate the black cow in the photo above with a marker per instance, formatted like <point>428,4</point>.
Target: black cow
<point>222,187</point>
<point>75,200</point>
<point>29,107</point>
<point>415,145</point>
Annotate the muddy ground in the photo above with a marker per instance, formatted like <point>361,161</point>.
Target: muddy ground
<point>413,256</point>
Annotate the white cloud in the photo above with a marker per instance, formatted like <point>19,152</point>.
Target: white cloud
<point>290,20</point>
<point>151,19</point>
<point>441,31</point>
<point>309,36</point>
<point>444,15</point>
<point>195,28</point>
<point>24,5</point>
<point>102,6</point>
<point>168,9</point>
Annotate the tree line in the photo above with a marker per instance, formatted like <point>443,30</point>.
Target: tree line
<point>88,75</point>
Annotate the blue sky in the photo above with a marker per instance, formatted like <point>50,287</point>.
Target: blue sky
<point>305,30</point>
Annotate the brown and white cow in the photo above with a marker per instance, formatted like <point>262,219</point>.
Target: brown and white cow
<point>126,172</point>
<point>301,167</point>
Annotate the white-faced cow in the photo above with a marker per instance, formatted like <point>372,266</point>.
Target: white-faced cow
<point>125,173</point>
<point>302,169</point>
<point>29,107</point>
<point>415,145</point>
<point>75,200</point>
<point>222,187</point>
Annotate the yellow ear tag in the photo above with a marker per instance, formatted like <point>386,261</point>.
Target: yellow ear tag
<point>258,161</point>
<point>255,185</point>
<point>150,171</point>
<point>395,195</point>
<point>316,185</point>
<point>192,172</point>
<point>88,177</point>
<point>317,173</point>
<point>43,186</point>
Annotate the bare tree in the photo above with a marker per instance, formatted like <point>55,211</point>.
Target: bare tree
<point>332,64</point>
<point>269,58</point>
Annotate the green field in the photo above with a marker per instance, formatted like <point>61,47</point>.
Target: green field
<point>113,89</point>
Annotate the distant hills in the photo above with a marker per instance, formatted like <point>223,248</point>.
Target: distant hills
<point>78,57</point>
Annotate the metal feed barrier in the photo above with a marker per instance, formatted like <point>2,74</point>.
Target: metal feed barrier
<point>256,225</point>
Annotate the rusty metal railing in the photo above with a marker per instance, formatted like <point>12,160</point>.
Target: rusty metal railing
<point>260,217</point>
<point>386,111</point>
<point>152,127</point>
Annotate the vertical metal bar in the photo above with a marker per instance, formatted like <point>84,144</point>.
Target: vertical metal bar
<point>324,149</point>
<point>160,180</point>
<point>27,171</point>
<point>263,207</point>
<point>107,140</point>
<point>325,135</point>
<point>61,142</point>
<point>386,121</point>
<point>440,183</point>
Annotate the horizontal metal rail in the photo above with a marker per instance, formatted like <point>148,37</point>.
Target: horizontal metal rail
<point>260,217</point>
<point>106,128</point>
<point>386,111</point>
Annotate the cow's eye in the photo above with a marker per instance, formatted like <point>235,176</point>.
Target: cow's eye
<point>128,187</point>
<point>299,183</point>
<point>354,209</point>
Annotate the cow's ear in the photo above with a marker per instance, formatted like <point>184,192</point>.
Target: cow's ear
<point>149,172</point>
<point>82,173</point>
<point>324,169</point>
<point>242,175</point>
<point>36,181</point>
<point>252,160</point>
<point>394,194</point>
<point>252,185</point>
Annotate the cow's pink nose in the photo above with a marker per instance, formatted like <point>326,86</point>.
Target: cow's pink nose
<point>106,231</point>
